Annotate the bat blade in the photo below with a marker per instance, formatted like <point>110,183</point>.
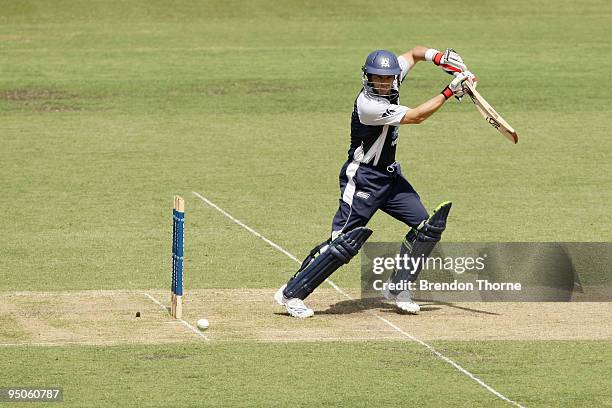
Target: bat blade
<point>491,116</point>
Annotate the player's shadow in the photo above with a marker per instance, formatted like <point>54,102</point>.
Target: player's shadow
<point>454,306</point>
<point>356,306</point>
<point>360,305</point>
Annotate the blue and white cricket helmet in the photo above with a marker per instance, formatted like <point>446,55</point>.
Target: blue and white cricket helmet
<point>381,62</point>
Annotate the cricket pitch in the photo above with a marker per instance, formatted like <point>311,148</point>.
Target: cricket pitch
<point>108,317</point>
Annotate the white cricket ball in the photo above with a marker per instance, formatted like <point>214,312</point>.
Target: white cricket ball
<point>203,324</point>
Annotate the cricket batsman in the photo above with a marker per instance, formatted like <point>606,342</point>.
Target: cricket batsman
<point>371,178</point>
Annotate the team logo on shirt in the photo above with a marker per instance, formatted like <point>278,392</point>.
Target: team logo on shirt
<point>388,112</point>
<point>384,62</point>
<point>363,195</point>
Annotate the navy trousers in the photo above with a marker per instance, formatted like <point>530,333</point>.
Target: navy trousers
<point>365,189</point>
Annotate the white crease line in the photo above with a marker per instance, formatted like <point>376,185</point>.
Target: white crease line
<point>411,337</point>
<point>190,327</point>
<point>246,227</point>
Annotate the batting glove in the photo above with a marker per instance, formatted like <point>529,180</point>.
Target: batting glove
<point>450,61</point>
<point>455,88</point>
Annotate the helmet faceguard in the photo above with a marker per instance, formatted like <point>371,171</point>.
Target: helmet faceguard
<point>381,62</point>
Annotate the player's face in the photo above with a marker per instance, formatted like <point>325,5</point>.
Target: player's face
<point>382,83</point>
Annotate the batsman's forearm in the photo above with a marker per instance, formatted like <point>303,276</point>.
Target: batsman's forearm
<point>415,55</point>
<point>423,111</point>
<point>418,53</point>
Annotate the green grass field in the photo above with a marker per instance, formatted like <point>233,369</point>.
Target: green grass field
<point>109,108</point>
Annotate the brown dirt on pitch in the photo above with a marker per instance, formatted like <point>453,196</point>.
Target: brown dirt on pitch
<point>251,315</point>
<point>254,316</point>
<point>91,317</point>
<point>40,99</point>
<point>510,321</point>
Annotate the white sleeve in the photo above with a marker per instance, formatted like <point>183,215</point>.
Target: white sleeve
<point>404,65</point>
<point>379,111</point>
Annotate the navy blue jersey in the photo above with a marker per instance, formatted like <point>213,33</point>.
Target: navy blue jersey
<point>375,126</point>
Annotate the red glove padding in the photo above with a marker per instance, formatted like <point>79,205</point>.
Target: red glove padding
<point>449,61</point>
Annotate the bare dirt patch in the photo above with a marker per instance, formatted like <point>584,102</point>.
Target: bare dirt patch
<point>92,317</point>
<point>108,317</point>
<point>41,99</point>
<point>25,94</point>
<point>252,315</point>
<point>509,321</point>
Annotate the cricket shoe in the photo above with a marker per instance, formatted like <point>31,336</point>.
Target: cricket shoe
<point>295,306</point>
<point>387,293</point>
<point>404,301</point>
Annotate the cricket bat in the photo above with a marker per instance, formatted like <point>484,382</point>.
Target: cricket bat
<point>491,116</point>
